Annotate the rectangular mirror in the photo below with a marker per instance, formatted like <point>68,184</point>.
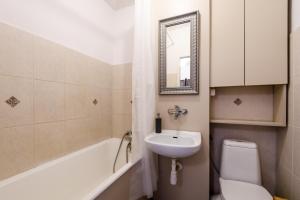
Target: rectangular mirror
<point>179,54</point>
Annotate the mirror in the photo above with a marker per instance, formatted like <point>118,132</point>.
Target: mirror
<point>179,54</point>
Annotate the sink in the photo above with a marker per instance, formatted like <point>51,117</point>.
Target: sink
<point>174,144</point>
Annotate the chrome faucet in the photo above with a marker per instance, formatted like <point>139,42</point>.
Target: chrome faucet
<point>177,111</point>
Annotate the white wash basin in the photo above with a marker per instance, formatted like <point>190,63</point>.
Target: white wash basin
<point>174,144</point>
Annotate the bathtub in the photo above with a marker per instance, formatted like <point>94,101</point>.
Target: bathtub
<point>82,175</point>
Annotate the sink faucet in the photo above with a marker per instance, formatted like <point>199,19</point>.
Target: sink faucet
<point>177,111</point>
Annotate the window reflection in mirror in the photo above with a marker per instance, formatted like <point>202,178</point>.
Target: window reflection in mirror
<point>185,71</point>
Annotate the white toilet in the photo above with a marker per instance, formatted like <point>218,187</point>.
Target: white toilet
<point>240,172</point>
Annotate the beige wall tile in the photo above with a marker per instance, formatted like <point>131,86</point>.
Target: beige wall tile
<point>16,150</point>
<point>106,101</point>
<point>77,134</point>
<point>284,184</point>
<point>76,101</point>
<point>296,80</point>
<point>49,101</point>
<point>49,60</point>
<point>296,52</point>
<point>285,147</point>
<point>49,139</point>
<point>94,110</point>
<point>121,101</point>
<point>296,188</point>
<point>296,134</point>
<point>268,169</point>
<point>95,131</point>
<point>296,157</point>
<point>99,73</point>
<point>121,124</point>
<point>16,53</point>
<point>22,89</point>
<point>296,108</point>
<point>93,72</point>
<point>122,76</point>
<point>80,133</point>
<point>290,114</point>
<point>291,59</point>
<point>76,68</point>
<point>106,76</point>
<point>106,124</point>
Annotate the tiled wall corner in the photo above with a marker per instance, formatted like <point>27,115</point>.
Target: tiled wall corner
<point>16,150</point>
<point>57,89</point>
<point>288,169</point>
<point>121,96</point>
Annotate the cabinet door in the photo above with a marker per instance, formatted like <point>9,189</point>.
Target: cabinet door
<point>227,43</point>
<point>266,42</point>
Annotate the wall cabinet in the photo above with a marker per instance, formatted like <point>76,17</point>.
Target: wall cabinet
<point>249,42</point>
<point>227,45</point>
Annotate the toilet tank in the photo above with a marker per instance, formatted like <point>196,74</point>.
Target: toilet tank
<point>240,161</point>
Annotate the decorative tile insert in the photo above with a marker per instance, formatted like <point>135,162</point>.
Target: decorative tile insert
<point>238,102</point>
<point>13,101</point>
<point>95,102</point>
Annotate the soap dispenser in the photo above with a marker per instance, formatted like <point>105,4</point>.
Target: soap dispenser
<point>158,124</point>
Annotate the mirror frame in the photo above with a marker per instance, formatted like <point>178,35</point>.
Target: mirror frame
<point>192,18</point>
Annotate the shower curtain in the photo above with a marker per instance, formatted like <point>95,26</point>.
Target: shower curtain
<point>144,179</point>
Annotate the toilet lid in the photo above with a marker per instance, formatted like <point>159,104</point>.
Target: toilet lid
<point>236,190</point>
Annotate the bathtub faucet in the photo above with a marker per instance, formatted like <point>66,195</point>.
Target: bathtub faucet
<point>128,137</point>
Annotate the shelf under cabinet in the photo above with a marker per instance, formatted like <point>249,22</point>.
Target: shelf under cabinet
<point>247,122</point>
<point>249,105</point>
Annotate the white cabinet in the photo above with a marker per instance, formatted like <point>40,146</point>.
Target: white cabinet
<point>266,42</point>
<point>249,41</point>
<point>227,44</point>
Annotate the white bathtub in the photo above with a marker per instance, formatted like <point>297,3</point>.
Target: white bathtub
<point>82,175</point>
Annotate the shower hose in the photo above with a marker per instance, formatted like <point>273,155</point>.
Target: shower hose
<point>128,137</point>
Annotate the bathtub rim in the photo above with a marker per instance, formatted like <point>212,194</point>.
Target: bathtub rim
<point>52,163</point>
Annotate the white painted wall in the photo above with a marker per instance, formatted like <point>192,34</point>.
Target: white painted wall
<point>124,31</point>
<point>295,14</point>
<point>89,26</point>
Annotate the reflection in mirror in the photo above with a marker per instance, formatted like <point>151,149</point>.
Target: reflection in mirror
<point>185,71</point>
<point>178,55</point>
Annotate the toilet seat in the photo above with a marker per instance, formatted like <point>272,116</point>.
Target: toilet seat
<point>237,190</point>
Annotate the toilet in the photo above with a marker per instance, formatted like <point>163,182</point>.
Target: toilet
<point>240,175</point>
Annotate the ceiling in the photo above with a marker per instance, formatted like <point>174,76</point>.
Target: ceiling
<point>118,4</point>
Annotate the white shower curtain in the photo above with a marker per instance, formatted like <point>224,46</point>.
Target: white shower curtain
<point>143,78</point>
